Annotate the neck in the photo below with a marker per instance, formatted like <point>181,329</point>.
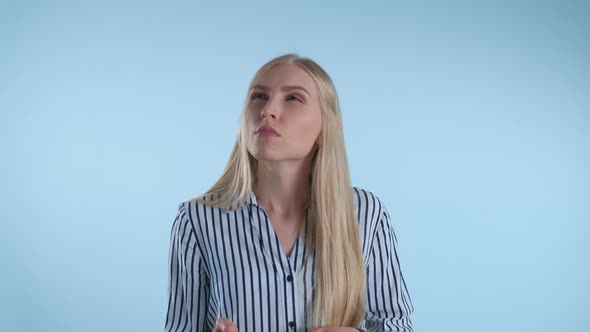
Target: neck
<point>283,188</point>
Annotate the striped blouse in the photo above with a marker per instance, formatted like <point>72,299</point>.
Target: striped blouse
<point>229,263</point>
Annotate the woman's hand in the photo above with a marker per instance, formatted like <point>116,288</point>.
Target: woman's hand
<point>334,329</point>
<point>225,325</point>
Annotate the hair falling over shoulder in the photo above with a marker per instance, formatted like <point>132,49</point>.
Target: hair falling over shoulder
<point>341,276</point>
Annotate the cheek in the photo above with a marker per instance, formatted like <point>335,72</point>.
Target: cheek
<point>311,125</point>
<point>251,118</point>
<point>250,114</point>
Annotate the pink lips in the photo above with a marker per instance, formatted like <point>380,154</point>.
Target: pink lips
<point>266,131</point>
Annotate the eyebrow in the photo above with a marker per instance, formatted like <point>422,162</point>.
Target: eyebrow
<point>283,88</point>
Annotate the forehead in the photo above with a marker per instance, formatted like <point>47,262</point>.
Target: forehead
<point>287,74</point>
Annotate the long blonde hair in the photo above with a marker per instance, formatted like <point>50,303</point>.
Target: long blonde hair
<point>341,279</point>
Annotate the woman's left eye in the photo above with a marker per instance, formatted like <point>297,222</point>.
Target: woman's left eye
<point>293,97</point>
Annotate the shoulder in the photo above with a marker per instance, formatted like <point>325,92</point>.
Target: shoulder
<point>368,204</point>
<point>195,214</point>
<point>371,213</point>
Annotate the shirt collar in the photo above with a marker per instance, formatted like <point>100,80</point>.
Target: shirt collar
<point>237,206</point>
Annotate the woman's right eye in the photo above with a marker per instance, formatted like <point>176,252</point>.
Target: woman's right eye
<point>256,95</point>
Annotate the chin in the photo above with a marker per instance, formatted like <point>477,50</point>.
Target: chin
<point>268,157</point>
<point>274,154</point>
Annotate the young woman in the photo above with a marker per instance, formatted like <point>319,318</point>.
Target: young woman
<point>283,241</point>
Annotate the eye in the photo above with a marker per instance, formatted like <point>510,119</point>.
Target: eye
<point>256,95</point>
<point>288,97</point>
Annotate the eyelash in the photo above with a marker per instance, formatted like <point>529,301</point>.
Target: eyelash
<point>254,96</point>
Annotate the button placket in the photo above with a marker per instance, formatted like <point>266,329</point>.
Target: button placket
<point>292,302</point>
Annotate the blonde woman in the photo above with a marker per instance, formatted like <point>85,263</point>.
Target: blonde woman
<point>283,241</point>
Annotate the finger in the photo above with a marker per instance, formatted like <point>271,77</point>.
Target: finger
<point>225,325</point>
<point>230,326</point>
<point>220,325</point>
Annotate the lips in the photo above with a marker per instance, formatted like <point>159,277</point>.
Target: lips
<point>267,130</point>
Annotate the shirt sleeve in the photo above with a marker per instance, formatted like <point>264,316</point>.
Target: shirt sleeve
<point>188,284</point>
<point>388,302</point>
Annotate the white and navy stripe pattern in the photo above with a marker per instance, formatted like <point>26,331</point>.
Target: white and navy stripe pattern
<point>229,263</point>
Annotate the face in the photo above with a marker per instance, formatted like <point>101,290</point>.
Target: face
<point>285,98</point>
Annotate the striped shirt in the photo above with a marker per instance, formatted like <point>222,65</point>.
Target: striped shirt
<point>229,263</point>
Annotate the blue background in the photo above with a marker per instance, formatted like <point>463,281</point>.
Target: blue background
<point>471,120</point>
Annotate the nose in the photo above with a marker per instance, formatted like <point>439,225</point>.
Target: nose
<point>267,111</point>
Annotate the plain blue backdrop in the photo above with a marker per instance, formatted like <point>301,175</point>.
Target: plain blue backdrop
<point>471,120</point>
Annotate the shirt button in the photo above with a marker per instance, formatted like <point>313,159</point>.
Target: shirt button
<point>289,278</point>
<point>291,324</point>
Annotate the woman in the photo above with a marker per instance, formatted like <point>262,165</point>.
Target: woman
<point>283,241</point>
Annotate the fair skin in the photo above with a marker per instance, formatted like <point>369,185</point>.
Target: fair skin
<point>284,162</point>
